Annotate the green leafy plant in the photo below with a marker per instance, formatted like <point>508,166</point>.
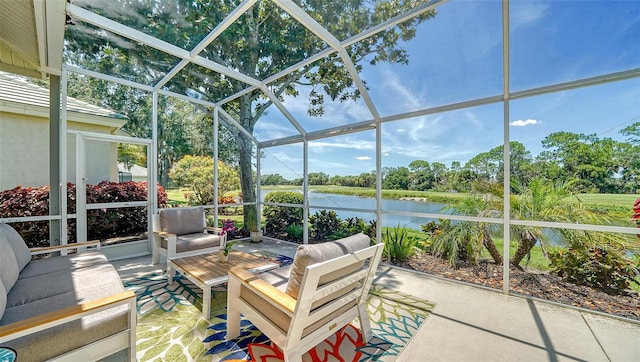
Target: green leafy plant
<point>279,218</point>
<point>228,247</point>
<point>595,267</point>
<point>324,224</point>
<point>350,226</point>
<point>398,244</point>
<point>456,242</point>
<point>295,232</point>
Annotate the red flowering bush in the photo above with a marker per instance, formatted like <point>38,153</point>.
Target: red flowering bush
<point>102,223</point>
<point>636,212</point>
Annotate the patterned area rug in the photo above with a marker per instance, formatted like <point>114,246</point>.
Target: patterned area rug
<point>171,326</point>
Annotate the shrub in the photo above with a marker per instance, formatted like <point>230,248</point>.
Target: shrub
<point>352,226</point>
<point>324,224</point>
<point>196,173</point>
<point>278,218</point>
<point>398,244</point>
<point>455,241</point>
<point>595,267</point>
<point>295,232</point>
<point>102,223</point>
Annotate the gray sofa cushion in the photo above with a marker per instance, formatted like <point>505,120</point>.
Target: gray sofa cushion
<point>311,254</point>
<point>84,283</point>
<point>20,249</point>
<point>194,242</point>
<point>3,299</point>
<point>69,262</point>
<point>8,265</point>
<point>182,220</point>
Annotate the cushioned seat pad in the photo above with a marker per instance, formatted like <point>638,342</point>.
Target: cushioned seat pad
<point>85,284</point>
<point>54,264</point>
<point>196,241</point>
<point>49,292</point>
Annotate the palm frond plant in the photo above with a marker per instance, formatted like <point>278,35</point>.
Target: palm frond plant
<point>464,240</point>
<point>399,245</point>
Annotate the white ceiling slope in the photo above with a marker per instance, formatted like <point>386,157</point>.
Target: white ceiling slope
<point>31,36</point>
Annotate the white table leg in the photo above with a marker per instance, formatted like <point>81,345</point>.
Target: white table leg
<point>170,273</point>
<point>206,302</point>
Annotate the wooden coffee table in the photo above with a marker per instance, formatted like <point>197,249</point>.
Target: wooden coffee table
<point>207,271</point>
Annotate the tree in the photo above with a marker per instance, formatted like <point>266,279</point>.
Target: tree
<point>464,240</point>
<point>196,173</point>
<point>274,179</point>
<point>318,178</point>
<point>396,179</point>
<point>590,161</point>
<point>420,177</point>
<point>263,41</point>
<point>184,128</point>
<point>545,200</point>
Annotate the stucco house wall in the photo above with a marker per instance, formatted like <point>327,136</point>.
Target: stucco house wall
<point>24,136</point>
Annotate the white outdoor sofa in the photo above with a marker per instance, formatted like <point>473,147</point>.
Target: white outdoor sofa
<point>67,308</point>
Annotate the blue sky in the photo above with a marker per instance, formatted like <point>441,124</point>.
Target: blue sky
<point>457,57</point>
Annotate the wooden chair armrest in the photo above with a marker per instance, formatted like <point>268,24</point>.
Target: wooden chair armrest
<point>64,315</point>
<point>164,234</point>
<point>213,230</point>
<point>267,291</point>
<point>51,249</point>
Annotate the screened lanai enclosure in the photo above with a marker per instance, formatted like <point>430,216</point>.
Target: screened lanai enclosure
<point>497,132</point>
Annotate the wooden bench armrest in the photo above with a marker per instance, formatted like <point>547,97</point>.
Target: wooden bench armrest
<point>268,291</point>
<point>58,317</point>
<point>54,248</point>
<point>164,234</point>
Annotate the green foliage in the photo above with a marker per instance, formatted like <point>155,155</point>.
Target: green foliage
<point>196,173</point>
<point>457,242</point>
<point>324,224</point>
<point>295,232</point>
<point>354,225</point>
<point>228,247</point>
<point>278,218</point>
<point>399,245</point>
<point>596,267</point>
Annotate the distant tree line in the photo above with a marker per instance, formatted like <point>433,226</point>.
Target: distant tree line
<point>592,165</point>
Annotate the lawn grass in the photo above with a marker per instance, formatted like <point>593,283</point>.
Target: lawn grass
<point>620,200</point>
<point>443,197</point>
<point>176,196</point>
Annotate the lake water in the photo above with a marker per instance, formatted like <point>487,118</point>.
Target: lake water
<point>319,201</point>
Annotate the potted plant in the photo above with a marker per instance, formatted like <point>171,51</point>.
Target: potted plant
<point>223,255</point>
<point>256,236</point>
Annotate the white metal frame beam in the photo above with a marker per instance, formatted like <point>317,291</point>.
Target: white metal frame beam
<point>107,24</point>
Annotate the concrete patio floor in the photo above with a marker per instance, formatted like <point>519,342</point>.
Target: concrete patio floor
<point>475,324</point>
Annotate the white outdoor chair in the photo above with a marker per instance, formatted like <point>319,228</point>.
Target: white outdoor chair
<point>180,232</point>
<point>327,289</point>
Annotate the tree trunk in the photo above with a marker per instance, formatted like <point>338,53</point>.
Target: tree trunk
<point>246,183</point>
<point>487,241</point>
<point>245,150</point>
<point>527,242</point>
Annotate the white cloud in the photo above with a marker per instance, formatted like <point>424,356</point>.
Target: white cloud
<point>354,144</point>
<point>521,123</point>
<point>527,12</point>
<point>362,158</point>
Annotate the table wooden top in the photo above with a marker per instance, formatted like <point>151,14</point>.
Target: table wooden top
<point>209,270</point>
